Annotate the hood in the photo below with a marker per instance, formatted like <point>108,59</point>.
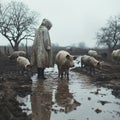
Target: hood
<point>46,23</point>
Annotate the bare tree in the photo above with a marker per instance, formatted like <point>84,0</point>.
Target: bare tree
<point>17,23</point>
<point>110,34</point>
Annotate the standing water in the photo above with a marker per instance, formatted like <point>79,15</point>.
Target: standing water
<point>76,99</point>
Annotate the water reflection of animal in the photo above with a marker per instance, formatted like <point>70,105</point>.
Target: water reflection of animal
<point>41,101</point>
<point>64,98</point>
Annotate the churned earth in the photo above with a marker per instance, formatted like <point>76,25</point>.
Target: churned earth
<point>84,96</point>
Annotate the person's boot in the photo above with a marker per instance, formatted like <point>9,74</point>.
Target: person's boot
<point>43,76</point>
<point>39,71</point>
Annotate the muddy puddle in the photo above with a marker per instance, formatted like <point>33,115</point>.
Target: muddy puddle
<point>76,99</point>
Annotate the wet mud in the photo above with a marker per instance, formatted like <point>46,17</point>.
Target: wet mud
<point>11,85</point>
<point>53,96</point>
<point>108,76</point>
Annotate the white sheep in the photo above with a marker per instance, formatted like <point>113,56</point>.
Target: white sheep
<point>23,63</point>
<point>84,61</point>
<point>15,54</point>
<point>116,55</point>
<point>91,63</point>
<point>94,53</point>
<point>64,61</point>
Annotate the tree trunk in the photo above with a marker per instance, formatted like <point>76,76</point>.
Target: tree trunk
<point>16,47</point>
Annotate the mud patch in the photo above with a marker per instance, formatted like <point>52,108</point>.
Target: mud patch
<point>108,76</point>
<point>71,99</point>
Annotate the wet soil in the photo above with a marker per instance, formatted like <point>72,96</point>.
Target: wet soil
<point>12,84</point>
<point>108,76</point>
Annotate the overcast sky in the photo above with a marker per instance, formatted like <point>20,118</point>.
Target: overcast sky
<point>74,21</point>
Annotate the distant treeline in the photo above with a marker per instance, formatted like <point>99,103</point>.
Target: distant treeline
<point>7,50</point>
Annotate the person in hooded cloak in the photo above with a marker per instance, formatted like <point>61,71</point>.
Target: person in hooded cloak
<point>42,50</point>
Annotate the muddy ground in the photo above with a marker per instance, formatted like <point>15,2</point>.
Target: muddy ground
<point>12,84</point>
<point>108,76</point>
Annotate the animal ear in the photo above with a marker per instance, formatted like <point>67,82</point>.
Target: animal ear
<point>98,63</point>
<point>29,66</point>
<point>67,56</point>
<point>74,58</point>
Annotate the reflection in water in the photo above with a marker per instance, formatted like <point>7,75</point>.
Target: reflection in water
<point>63,95</point>
<point>25,103</point>
<point>64,98</point>
<point>41,101</point>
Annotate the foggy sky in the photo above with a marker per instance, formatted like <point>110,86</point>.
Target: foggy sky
<point>74,21</point>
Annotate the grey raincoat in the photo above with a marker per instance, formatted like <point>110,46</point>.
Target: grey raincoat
<point>41,49</point>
